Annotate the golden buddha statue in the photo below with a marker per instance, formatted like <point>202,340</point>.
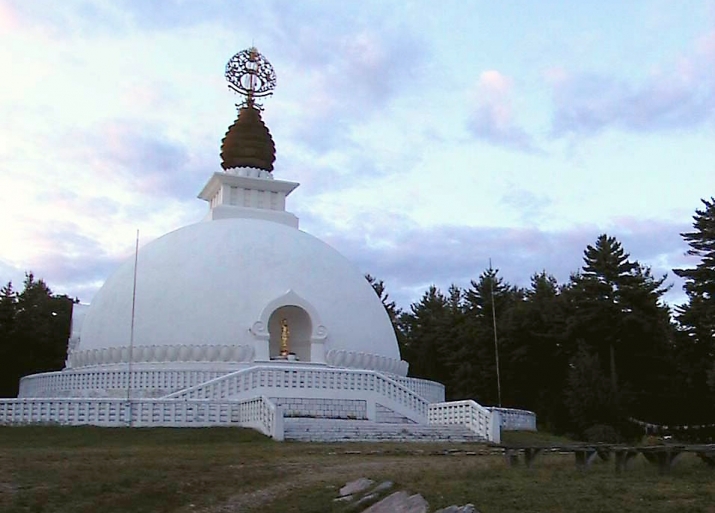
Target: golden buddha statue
<point>285,338</point>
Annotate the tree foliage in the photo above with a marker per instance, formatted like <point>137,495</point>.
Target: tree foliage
<point>696,319</point>
<point>487,305</point>
<point>616,311</point>
<point>428,329</point>
<point>34,329</point>
<point>585,355</point>
<point>390,306</point>
<point>589,395</point>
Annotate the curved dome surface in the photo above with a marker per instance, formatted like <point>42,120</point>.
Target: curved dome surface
<point>211,282</point>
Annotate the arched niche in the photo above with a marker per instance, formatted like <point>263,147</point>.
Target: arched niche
<point>299,326</point>
<point>307,333</point>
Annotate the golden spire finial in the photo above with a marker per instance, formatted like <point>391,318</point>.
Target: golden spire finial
<point>250,74</point>
<point>248,143</point>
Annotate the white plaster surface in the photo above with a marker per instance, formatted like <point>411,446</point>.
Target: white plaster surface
<point>208,283</point>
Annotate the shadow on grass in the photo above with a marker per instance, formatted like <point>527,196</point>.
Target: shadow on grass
<point>92,436</point>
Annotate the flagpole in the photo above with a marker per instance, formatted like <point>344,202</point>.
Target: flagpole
<point>130,380</point>
<point>496,342</point>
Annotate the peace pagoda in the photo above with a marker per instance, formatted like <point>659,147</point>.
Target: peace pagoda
<point>243,319</point>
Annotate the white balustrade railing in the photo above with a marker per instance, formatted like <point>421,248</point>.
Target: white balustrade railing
<point>147,382</point>
<point>513,419</point>
<point>75,383</point>
<point>430,390</point>
<point>257,413</point>
<point>260,413</point>
<point>81,381</point>
<point>272,380</point>
<point>474,416</point>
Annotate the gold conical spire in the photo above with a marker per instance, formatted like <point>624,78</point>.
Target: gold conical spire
<point>248,142</point>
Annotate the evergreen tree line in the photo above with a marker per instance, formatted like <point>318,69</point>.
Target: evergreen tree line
<point>34,330</point>
<point>586,355</point>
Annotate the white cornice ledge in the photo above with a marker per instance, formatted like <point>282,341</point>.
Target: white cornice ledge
<point>161,354</point>
<point>369,361</point>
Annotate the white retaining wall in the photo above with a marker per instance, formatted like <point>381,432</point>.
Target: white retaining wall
<point>513,419</point>
<point>322,408</point>
<point>257,413</point>
<point>468,413</point>
<point>387,416</point>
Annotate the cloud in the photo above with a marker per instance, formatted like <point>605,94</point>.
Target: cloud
<point>78,18</point>
<point>338,65</point>
<point>63,19</point>
<point>406,256</point>
<point>140,157</point>
<point>365,71</point>
<point>67,260</point>
<point>10,273</point>
<point>8,17</point>
<point>121,145</point>
<point>705,47</point>
<point>681,95</point>
<point>97,185</point>
<point>493,118</point>
<point>74,263</point>
<point>530,206</point>
<point>409,258</point>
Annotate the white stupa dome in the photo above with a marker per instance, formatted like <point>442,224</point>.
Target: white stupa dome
<point>225,285</point>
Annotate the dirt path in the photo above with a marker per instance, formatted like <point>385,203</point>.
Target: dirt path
<point>307,475</point>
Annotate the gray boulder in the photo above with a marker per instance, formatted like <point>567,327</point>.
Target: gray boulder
<point>356,486</point>
<point>400,502</point>
<point>468,508</point>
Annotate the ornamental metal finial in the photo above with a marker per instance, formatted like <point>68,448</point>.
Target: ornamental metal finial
<point>250,74</point>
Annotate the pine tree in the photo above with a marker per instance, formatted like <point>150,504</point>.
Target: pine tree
<point>537,364</point>
<point>8,307</point>
<point>616,311</point>
<point>487,302</point>
<point>393,311</point>
<point>456,350</point>
<point>589,396</point>
<point>696,319</point>
<point>8,311</point>
<point>381,290</point>
<point>427,328</point>
<point>614,297</point>
<point>37,341</point>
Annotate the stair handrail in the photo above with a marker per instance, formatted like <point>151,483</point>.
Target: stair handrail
<point>468,413</point>
<point>208,389</point>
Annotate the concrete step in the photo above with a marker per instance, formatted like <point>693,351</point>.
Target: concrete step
<point>335,430</point>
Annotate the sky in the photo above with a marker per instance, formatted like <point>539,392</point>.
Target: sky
<point>428,137</point>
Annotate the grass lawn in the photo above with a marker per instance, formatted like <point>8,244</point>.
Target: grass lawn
<point>84,469</point>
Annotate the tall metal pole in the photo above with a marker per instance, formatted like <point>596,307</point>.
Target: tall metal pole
<point>130,379</point>
<point>494,321</point>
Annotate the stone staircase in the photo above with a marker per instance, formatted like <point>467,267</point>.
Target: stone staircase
<point>302,429</point>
